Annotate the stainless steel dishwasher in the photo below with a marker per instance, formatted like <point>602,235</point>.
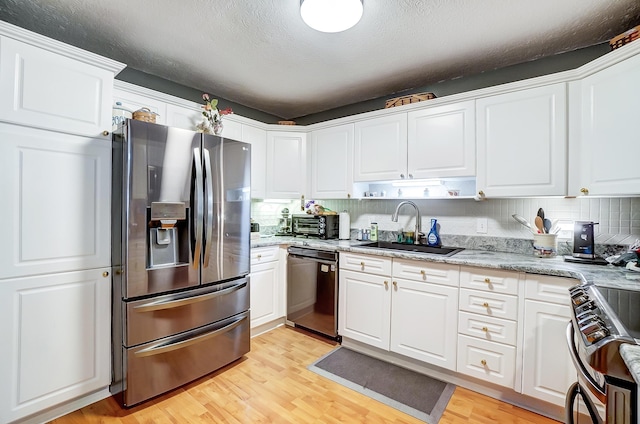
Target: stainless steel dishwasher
<point>312,290</point>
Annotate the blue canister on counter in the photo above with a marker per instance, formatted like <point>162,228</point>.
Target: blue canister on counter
<point>433,239</point>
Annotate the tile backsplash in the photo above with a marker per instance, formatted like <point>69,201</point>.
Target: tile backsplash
<point>618,218</point>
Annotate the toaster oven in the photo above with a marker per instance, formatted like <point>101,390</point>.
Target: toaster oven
<point>321,226</point>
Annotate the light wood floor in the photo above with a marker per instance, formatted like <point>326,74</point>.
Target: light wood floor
<point>271,384</point>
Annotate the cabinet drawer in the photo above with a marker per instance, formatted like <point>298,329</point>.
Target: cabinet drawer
<point>487,328</point>
<point>365,263</point>
<point>489,304</point>
<point>548,289</point>
<point>489,361</point>
<point>426,271</point>
<point>492,280</point>
<point>264,254</point>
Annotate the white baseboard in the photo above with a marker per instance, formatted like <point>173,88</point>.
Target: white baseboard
<point>65,408</point>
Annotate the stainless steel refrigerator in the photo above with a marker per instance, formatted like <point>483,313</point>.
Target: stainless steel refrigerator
<point>180,252</point>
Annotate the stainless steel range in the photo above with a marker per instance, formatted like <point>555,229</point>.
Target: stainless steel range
<point>603,319</point>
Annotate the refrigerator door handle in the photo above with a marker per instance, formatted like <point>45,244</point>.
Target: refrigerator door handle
<point>164,347</point>
<point>197,196</point>
<point>208,207</point>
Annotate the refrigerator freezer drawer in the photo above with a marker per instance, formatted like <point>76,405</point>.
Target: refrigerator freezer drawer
<point>166,364</point>
<point>163,316</point>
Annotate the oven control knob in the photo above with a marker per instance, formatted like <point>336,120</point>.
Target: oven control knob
<point>576,290</point>
<point>591,327</point>
<point>597,335</point>
<point>585,307</point>
<point>586,312</point>
<point>579,299</point>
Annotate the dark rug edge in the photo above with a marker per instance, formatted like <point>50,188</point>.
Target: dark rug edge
<point>433,418</point>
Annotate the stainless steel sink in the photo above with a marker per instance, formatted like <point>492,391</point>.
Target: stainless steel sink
<point>417,248</point>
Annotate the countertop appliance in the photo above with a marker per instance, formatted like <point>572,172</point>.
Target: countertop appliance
<point>312,290</point>
<point>602,319</point>
<point>181,239</point>
<point>320,226</point>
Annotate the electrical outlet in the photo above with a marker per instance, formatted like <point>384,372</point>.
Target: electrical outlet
<point>481,225</point>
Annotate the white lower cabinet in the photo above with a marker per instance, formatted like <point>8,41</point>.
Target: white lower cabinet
<point>56,340</point>
<point>413,317</point>
<point>487,328</point>
<point>547,367</point>
<point>265,292</point>
<point>424,321</point>
<point>493,362</point>
<point>364,307</point>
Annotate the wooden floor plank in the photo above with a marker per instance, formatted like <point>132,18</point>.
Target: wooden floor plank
<point>272,384</point>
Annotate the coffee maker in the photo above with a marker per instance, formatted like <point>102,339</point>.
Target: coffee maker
<point>584,244</point>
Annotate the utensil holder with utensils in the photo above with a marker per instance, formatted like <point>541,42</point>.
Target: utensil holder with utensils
<point>545,245</point>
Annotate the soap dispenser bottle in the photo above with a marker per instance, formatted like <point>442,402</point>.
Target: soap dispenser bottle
<point>433,238</point>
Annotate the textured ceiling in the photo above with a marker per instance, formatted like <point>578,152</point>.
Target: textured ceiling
<point>260,54</point>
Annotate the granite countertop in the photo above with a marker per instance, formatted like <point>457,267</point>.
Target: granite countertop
<point>602,275</point>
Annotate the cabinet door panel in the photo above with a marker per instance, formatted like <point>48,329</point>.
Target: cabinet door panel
<point>442,141</point>
<point>135,101</point>
<point>47,90</point>
<point>547,372</point>
<point>428,272</point>
<point>380,151</point>
<point>332,162</point>
<point>58,197</point>
<point>424,322</point>
<point>286,165</point>
<point>264,293</point>
<point>258,139</point>
<point>182,117</point>
<point>364,308</point>
<point>609,129</point>
<point>522,142</point>
<point>58,339</point>
<point>493,362</point>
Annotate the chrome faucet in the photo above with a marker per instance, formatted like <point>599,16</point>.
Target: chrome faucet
<point>418,232</point>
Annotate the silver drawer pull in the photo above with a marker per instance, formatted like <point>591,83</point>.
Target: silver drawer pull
<point>164,348</point>
<point>176,303</point>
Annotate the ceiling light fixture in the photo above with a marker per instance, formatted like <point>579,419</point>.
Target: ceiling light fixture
<point>331,15</point>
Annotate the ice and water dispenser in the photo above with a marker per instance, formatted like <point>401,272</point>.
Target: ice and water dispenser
<point>168,226</point>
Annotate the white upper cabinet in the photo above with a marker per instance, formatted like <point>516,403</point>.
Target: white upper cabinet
<point>331,158</point>
<point>57,193</point>
<point>442,141</point>
<point>604,147</point>
<point>133,99</point>
<point>45,89</point>
<point>231,129</point>
<point>522,143</point>
<point>380,150</point>
<point>257,137</point>
<point>181,117</point>
<point>286,164</point>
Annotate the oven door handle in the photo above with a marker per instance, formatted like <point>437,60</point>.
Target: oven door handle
<point>593,384</point>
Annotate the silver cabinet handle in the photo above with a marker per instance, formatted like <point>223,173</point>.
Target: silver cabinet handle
<point>197,195</point>
<point>176,303</point>
<point>161,347</point>
<point>208,180</point>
